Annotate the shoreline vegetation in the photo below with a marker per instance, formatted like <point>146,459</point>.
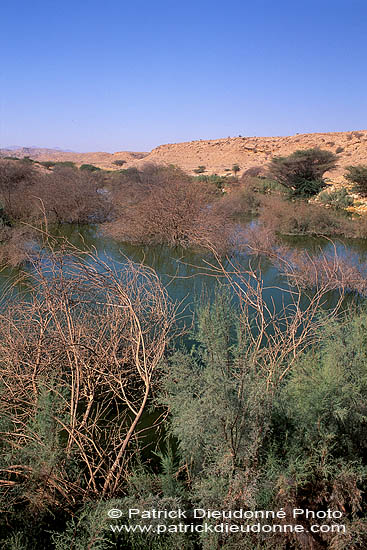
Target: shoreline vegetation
<point>107,403</point>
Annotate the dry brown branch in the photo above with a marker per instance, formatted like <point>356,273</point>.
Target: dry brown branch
<point>278,332</point>
<point>78,362</point>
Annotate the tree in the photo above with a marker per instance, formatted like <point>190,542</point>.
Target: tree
<point>235,169</point>
<point>119,162</point>
<point>358,176</point>
<point>302,171</point>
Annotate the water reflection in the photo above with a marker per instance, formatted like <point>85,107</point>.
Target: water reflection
<point>183,271</point>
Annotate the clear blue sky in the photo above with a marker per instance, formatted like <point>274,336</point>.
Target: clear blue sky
<point>112,75</point>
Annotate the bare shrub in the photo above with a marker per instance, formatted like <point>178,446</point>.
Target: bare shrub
<point>253,172</point>
<point>16,182</point>
<point>276,336</point>
<point>329,270</point>
<point>78,362</point>
<point>71,196</point>
<point>167,207</point>
<point>15,244</point>
<point>300,218</point>
<point>241,201</point>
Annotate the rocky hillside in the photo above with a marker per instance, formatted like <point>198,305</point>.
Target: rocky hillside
<point>218,156</point>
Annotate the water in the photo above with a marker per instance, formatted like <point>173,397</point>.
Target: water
<point>184,272</point>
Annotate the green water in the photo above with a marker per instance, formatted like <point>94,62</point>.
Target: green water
<point>184,272</point>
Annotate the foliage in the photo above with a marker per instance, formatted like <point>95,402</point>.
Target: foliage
<point>218,181</point>
<point>302,171</point>
<point>338,198</point>
<point>119,162</point>
<point>236,168</point>
<point>358,176</point>
<point>48,164</point>
<point>304,445</point>
<point>89,167</point>
<point>65,164</point>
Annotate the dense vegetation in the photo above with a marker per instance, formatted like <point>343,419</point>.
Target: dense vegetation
<point>107,401</point>
<point>358,176</point>
<point>302,171</point>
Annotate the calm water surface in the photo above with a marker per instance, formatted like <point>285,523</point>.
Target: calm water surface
<point>182,270</point>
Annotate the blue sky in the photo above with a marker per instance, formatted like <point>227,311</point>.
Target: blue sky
<point>111,75</point>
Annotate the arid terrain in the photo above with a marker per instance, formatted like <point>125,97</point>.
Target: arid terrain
<point>218,156</point>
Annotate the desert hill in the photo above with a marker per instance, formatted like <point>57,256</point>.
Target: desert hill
<point>218,156</point>
<point>101,159</point>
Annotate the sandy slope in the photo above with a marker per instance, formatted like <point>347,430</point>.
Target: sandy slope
<point>219,155</point>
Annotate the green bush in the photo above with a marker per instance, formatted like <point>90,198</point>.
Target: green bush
<point>358,176</point>
<point>218,181</point>
<point>89,168</point>
<point>119,162</point>
<point>304,443</point>
<point>266,185</point>
<point>338,198</point>
<point>65,164</point>
<point>48,164</point>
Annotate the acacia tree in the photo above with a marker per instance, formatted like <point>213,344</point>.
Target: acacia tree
<point>235,169</point>
<point>302,171</point>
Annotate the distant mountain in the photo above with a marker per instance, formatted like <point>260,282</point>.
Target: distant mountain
<point>19,147</point>
<point>103,160</point>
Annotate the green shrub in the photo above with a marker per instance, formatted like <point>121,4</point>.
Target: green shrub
<point>89,167</point>
<point>218,181</point>
<point>358,176</point>
<point>66,164</point>
<point>48,164</point>
<point>119,162</point>
<point>338,198</point>
<point>266,185</point>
